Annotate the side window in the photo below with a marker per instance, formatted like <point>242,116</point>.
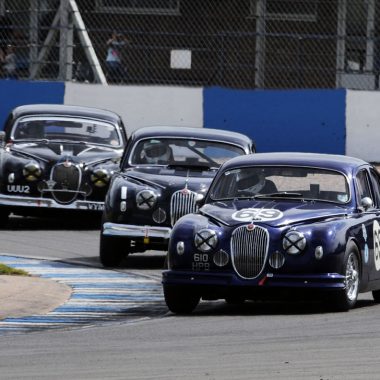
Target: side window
<point>363,185</point>
<point>375,180</point>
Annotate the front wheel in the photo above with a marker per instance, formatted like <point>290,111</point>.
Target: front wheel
<point>112,250</point>
<point>180,299</point>
<point>346,298</point>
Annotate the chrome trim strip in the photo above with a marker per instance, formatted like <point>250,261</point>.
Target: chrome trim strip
<point>115,229</point>
<point>14,200</point>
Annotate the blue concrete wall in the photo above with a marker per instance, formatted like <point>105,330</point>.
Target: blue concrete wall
<point>14,93</point>
<point>293,120</point>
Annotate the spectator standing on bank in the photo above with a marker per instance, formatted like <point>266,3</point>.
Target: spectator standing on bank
<point>9,63</point>
<point>115,67</point>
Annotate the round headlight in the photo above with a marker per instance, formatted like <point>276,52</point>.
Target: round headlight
<point>100,177</point>
<point>32,171</point>
<point>146,199</point>
<point>205,240</point>
<point>294,242</point>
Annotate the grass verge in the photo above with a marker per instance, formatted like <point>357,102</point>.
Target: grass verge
<point>4,269</point>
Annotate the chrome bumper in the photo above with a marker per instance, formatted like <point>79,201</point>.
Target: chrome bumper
<point>16,201</point>
<point>114,229</point>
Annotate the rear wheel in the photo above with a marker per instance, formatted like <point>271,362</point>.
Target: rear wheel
<point>112,250</point>
<point>346,298</point>
<point>180,299</point>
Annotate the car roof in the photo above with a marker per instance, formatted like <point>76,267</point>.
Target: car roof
<point>192,132</point>
<point>65,110</point>
<point>328,161</point>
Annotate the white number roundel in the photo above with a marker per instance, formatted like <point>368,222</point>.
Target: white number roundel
<point>249,214</point>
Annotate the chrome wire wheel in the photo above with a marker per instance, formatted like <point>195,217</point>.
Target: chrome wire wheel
<point>352,277</point>
<point>345,298</point>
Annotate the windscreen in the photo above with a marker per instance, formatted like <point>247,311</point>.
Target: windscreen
<point>284,182</point>
<point>180,151</point>
<point>72,129</point>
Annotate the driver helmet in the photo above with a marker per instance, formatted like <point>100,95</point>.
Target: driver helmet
<point>252,183</point>
<point>156,152</point>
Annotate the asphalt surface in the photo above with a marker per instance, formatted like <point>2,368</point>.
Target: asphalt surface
<point>218,341</point>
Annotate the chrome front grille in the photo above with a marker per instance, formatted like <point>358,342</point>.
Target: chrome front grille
<point>182,202</point>
<point>65,181</point>
<point>249,248</point>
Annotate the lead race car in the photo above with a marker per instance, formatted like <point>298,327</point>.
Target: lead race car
<point>57,158</point>
<point>165,172</point>
<point>280,224</point>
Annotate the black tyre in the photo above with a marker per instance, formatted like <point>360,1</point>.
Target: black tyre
<point>180,300</point>
<point>112,250</point>
<point>346,298</point>
<point>376,295</point>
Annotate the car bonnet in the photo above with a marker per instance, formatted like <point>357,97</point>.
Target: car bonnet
<point>275,214</point>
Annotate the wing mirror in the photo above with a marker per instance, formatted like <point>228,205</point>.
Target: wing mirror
<point>367,203</point>
<point>2,137</point>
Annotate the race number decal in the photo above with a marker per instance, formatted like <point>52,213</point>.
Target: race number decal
<point>366,249</point>
<point>249,214</point>
<point>376,244</point>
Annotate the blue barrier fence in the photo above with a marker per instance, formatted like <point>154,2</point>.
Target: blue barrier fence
<point>293,120</point>
<point>14,93</point>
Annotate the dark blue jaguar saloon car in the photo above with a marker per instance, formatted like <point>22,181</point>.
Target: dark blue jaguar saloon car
<point>164,174</point>
<point>276,224</point>
<point>58,159</point>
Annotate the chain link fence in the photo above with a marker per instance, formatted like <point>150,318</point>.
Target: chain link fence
<point>268,44</point>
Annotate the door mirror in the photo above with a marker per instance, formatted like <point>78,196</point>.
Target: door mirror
<point>367,203</point>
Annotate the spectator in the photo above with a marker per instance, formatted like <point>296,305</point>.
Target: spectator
<point>115,68</point>
<point>9,63</point>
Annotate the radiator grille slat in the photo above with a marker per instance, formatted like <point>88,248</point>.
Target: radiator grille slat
<point>249,248</point>
<point>182,203</point>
